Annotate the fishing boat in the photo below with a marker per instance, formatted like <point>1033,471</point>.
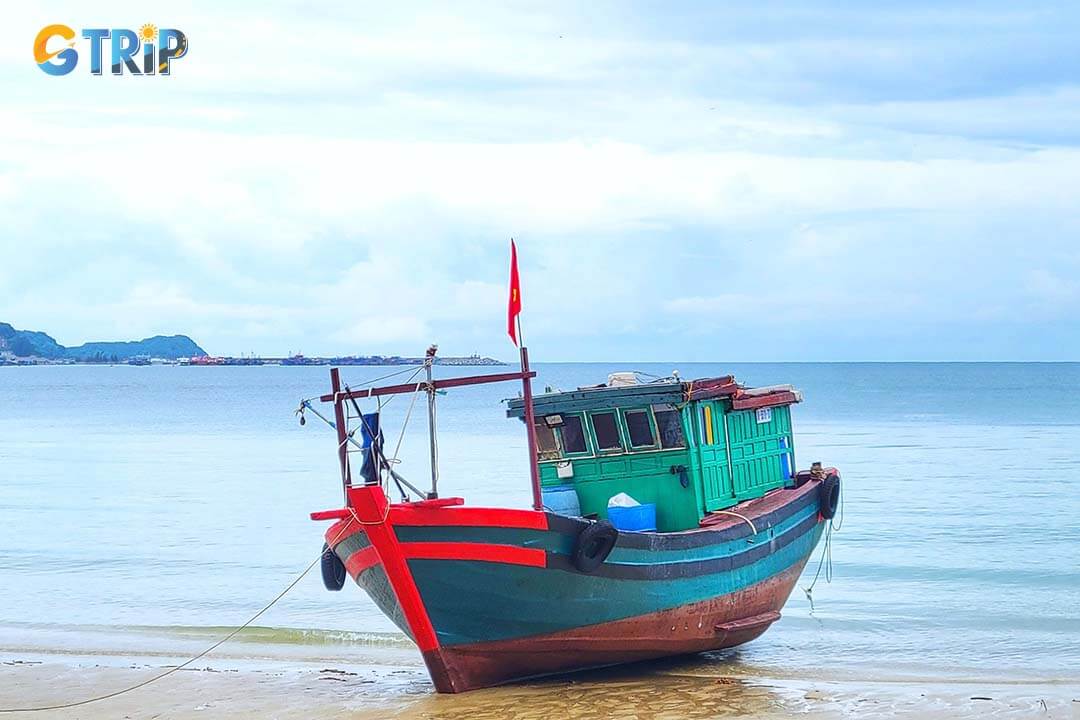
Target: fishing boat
<point>667,518</point>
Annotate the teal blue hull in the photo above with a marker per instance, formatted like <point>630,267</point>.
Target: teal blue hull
<point>470,601</point>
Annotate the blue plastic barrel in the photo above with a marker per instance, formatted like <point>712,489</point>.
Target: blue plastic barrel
<point>640,518</point>
<point>562,500</point>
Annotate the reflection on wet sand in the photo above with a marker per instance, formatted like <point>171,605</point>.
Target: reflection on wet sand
<point>662,690</point>
<point>721,686</point>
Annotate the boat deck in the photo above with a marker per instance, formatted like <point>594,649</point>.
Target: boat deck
<point>756,507</point>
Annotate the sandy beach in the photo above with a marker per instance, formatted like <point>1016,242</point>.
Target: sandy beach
<point>658,691</point>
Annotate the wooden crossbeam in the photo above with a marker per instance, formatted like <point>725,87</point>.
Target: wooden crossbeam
<point>441,384</point>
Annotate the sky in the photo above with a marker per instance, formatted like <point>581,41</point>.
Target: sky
<point>810,181</point>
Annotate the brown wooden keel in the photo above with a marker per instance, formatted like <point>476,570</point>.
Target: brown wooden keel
<point>715,624</point>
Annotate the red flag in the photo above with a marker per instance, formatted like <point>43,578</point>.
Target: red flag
<point>515,294</point>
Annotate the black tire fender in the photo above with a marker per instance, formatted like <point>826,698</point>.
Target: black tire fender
<point>829,496</point>
<point>593,545</point>
<point>333,570</point>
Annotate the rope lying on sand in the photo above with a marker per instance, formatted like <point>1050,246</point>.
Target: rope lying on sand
<point>204,653</point>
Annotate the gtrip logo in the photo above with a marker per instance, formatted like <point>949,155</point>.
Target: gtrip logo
<point>146,52</point>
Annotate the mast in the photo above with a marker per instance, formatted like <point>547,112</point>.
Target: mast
<point>530,427</point>
<point>342,432</point>
<point>429,361</point>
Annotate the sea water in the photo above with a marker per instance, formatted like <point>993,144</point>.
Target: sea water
<point>146,510</point>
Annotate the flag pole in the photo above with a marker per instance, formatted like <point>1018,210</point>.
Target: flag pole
<point>530,421</point>
<point>514,311</point>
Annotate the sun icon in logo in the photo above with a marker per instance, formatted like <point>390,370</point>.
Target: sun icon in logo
<point>148,33</point>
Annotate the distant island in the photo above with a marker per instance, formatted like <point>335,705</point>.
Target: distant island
<point>31,344</point>
<point>32,347</point>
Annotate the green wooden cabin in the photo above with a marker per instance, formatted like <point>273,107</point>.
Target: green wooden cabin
<point>688,447</point>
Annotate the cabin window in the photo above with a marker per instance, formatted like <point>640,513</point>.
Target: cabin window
<point>639,428</point>
<point>606,430</point>
<point>546,448</point>
<point>572,434</point>
<point>706,425</point>
<point>669,427</point>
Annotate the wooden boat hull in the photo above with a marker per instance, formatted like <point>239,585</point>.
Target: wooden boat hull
<point>683,630</point>
<point>492,595</point>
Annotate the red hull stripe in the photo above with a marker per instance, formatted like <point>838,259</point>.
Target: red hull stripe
<point>509,554</point>
<point>361,560</point>
<point>468,517</point>
<point>370,505</point>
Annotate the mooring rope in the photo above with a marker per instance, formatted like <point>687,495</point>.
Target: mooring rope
<point>748,521</point>
<point>380,521</point>
<point>304,404</point>
<point>204,653</point>
<point>826,561</point>
<point>826,555</point>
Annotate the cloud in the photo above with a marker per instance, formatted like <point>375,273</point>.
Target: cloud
<point>1049,289</point>
<point>381,330</point>
<point>870,176</point>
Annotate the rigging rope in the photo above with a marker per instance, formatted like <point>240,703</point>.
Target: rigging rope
<point>368,384</point>
<point>377,449</point>
<point>204,653</point>
<point>384,463</point>
<point>405,423</point>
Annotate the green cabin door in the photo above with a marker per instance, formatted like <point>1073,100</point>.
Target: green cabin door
<point>717,490</point>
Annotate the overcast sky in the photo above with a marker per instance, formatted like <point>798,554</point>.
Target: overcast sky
<point>685,181</point>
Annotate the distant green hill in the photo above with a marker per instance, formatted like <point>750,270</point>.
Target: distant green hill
<point>28,343</point>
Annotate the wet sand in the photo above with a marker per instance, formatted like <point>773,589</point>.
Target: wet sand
<point>657,691</point>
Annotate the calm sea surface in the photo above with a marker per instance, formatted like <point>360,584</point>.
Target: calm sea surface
<point>142,509</point>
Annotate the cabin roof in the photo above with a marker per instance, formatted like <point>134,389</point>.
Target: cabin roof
<point>667,391</point>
